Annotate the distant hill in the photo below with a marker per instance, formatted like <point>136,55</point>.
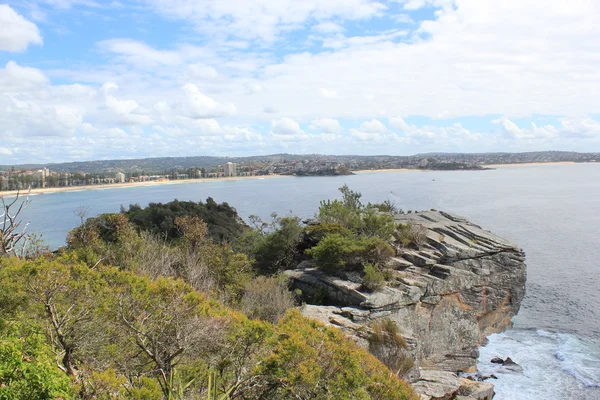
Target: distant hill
<point>162,164</point>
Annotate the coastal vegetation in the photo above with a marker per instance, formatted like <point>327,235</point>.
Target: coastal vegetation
<point>185,301</point>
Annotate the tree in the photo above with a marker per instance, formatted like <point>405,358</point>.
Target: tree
<point>222,220</point>
<point>13,238</point>
<point>63,296</point>
<point>277,250</point>
<point>167,321</point>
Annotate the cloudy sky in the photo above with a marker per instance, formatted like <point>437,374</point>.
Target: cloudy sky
<point>93,79</point>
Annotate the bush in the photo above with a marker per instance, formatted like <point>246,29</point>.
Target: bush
<point>387,206</point>
<point>317,232</point>
<point>276,251</point>
<point>27,368</point>
<point>311,361</point>
<point>377,224</point>
<point>386,343</point>
<point>267,298</point>
<point>411,235</point>
<point>336,252</point>
<point>373,278</point>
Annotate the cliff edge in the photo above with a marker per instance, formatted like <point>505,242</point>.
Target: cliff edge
<point>461,285</point>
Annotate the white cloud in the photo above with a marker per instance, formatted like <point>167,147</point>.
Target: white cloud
<point>285,126</point>
<point>263,19</point>
<point>326,125</point>
<point>202,71</point>
<point>127,111</point>
<point>329,94</point>
<point>198,105</point>
<point>373,126</point>
<point>568,128</point>
<point>328,27</point>
<point>16,33</point>
<point>472,58</point>
<point>399,123</point>
<point>5,152</point>
<point>15,78</point>
<point>139,53</point>
<point>418,4</point>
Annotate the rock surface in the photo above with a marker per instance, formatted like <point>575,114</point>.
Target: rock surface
<point>446,297</point>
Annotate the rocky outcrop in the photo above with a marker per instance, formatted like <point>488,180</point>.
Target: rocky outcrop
<point>446,297</point>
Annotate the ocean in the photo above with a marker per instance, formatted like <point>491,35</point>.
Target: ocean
<point>552,211</point>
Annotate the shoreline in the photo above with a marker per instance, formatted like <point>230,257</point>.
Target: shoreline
<point>39,191</point>
<point>52,190</point>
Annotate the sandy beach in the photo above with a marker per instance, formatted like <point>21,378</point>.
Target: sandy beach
<point>528,164</point>
<point>132,184</point>
<point>363,171</point>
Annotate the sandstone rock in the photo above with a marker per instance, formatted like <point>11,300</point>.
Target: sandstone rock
<point>438,385</point>
<point>497,360</point>
<point>476,390</point>
<point>464,284</point>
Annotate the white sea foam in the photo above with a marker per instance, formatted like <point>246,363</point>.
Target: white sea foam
<point>555,366</point>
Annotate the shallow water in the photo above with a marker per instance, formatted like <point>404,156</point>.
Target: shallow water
<point>552,211</point>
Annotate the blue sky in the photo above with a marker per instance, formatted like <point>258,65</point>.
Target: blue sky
<point>92,79</point>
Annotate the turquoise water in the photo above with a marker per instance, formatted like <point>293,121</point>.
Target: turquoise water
<point>552,211</point>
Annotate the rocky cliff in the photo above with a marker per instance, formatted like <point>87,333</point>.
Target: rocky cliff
<point>463,284</point>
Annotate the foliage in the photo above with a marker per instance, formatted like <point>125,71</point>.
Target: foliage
<point>411,235</point>
<point>337,253</point>
<point>317,232</point>
<point>110,239</point>
<point>350,213</point>
<point>222,220</point>
<point>141,306</point>
<point>388,206</point>
<point>267,298</point>
<point>27,369</point>
<point>311,361</point>
<point>274,246</point>
<point>279,249</point>
<point>373,278</point>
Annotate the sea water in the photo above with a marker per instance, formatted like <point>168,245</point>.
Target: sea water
<point>552,211</point>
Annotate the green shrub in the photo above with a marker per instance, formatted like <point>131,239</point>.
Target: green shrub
<point>387,206</point>
<point>377,224</point>
<point>317,232</point>
<point>336,252</point>
<point>276,251</point>
<point>373,279</point>
<point>311,361</point>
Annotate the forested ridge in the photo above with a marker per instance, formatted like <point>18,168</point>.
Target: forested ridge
<point>185,301</point>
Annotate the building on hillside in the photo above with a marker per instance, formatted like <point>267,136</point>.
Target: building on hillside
<point>229,169</point>
<point>120,177</point>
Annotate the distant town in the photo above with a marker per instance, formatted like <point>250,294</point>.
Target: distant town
<point>107,172</point>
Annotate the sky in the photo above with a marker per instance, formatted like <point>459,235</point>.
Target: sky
<point>102,79</point>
